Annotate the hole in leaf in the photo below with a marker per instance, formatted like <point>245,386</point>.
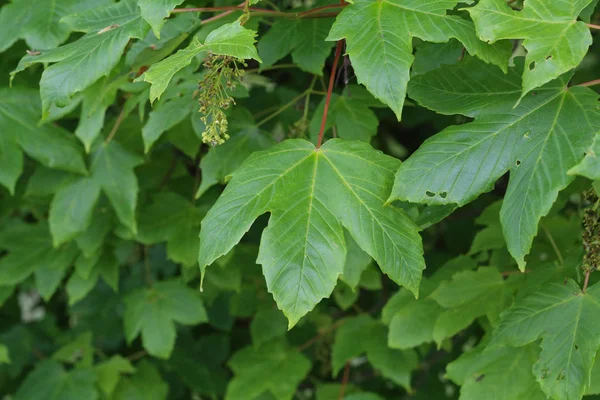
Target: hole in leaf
<point>576,347</point>
<point>560,376</point>
<point>480,378</point>
<point>534,93</point>
<point>443,195</point>
<point>532,66</point>
<point>549,58</point>
<point>430,194</point>
<point>518,162</point>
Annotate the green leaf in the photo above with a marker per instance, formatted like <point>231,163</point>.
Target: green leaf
<point>273,367</point>
<point>303,38</point>
<point>112,169</point>
<point>381,50</point>
<point>176,220</point>
<point>82,282</point>
<point>221,161</point>
<point>50,381</point>
<point>530,141</point>
<point>96,100</point>
<point>470,294</point>
<point>71,209</point>
<point>112,173</point>
<point>50,145</point>
<point>312,195</point>
<point>266,326</point>
<point>80,64</point>
<point>109,373</point>
<point>30,250</point>
<point>555,41</point>
<point>480,373</point>
<point>153,313</point>
<point>39,22</point>
<point>364,335</point>
<point>229,40</point>
<point>79,351</point>
<point>351,116</point>
<point>169,112</point>
<point>414,323</point>
<point>590,165</point>
<point>357,262</point>
<point>146,384</point>
<point>4,355</point>
<point>564,318</point>
<point>155,11</point>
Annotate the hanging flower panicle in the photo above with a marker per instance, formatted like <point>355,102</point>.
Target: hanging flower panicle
<point>222,75</point>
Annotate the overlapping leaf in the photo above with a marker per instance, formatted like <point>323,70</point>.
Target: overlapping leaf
<point>504,371</point>
<point>364,335</point>
<point>565,319</point>
<point>555,41</point>
<point>304,38</point>
<point>312,195</point>
<point>590,165</point>
<point>51,381</point>
<point>273,368</point>
<point>48,144</point>
<point>30,251</point>
<point>155,11</point>
<point>223,160</point>
<point>40,22</point>
<point>538,141</point>
<point>153,313</point>
<point>111,173</point>
<point>173,219</point>
<point>230,39</point>
<point>379,41</point>
<point>78,65</point>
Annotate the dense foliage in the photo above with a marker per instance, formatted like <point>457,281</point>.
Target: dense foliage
<point>299,199</point>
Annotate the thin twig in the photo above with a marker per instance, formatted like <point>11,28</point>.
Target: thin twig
<point>338,53</point>
<point>314,13</point>
<point>137,355</point>
<point>283,108</point>
<point>590,83</point>
<point>587,280</point>
<point>508,273</point>
<point>115,127</point>
<point>592,26</point>
<point>345,380</point>
<point>147,269</point>
<point>320,9</point>
<point>272,67</point>
<point>315,338</point>
<point>561,260</point>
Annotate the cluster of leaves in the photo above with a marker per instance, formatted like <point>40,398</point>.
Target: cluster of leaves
<point>188,210</point>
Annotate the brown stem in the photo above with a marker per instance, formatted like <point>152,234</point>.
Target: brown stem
<point>508,273</point>
<point>137,355</point>
<point>590,83</point>
<point>587,280</point>
<point>592,26</point>
<point>338,53</point>
<point>345,380</point>
<point>319,9</point>
<point>115,127</point>
<point>313,13</point>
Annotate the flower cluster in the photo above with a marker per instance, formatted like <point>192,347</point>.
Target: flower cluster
<point>591,232</point>
<point>222,75</point>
